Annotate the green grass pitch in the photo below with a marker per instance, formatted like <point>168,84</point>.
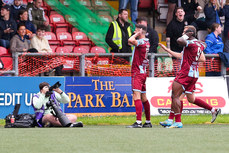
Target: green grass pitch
<point>110,135</point>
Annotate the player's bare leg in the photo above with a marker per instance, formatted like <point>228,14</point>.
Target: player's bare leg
<point>146,105</point>
<point>177,91</point>
<point>199,102</point>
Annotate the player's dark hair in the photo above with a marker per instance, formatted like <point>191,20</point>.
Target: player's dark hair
<point>175,11</point>
<point>122,10</point>
<point>139,26</point>
<point>191,29</point>
<point>142,18</point>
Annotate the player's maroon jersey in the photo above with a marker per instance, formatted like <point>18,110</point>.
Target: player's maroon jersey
<point>139,57</point>
<point>191,55</point>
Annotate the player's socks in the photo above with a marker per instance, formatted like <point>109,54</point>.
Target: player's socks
<point>181,106</point>
<point>138,107</point>
<point>202,104</point>
<point>147,110</point>
<point>178,117</point>
<point>171,115</point>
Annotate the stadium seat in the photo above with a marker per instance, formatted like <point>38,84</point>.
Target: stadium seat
<point>143,4</point>
<point>53,42</point>
<point>59,23</point>
<point>106,18</point>
<point>86,3</point>
<point>97,49</point>
<point>74,29</point>
<point>81,38</point>
<point>99,5</point>
<point>80,49</point>
<point>7,62</point>
<point>65,2</point>
<point>62,49</point>
<point>63,36</point>
<point>4,52</point>
<point>25,2</point>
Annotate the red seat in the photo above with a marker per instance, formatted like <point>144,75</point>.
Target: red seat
<point>145,4</point>
<point>59,23</point>
<point>4,52</point>
<point>53,42</point>
<point>97,49</point>
<point>7,62</point>
<point>62,50</point>
<point>80,49</point>
<point>25,2</point>
<point>63,36</point>
<point>81,38</point>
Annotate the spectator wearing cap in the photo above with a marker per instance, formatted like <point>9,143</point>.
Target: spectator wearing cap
<point>151,34</point>
<point>15,8</point>
<point>8,27</point>
<point>37,15</point>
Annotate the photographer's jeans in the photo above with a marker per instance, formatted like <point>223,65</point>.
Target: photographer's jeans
<point>134,8</point>
<point>5,43</point>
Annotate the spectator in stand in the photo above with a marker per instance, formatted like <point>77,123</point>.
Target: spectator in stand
<point>212,12</point>
<point>192,7</point>
<point>37,15</point>
<point>30,28</point>
<point>151,34</point>
<point>15,8</point>
<point>118,41</point>
<point>214,44</point>
<point>19,43</point>
<point>8,27</point>
<point>133,8</point>
<point>40,43</point>
<point>174,30</point>
<point>171,7</point>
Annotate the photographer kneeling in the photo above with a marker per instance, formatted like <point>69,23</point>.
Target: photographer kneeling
<point>47,109</point>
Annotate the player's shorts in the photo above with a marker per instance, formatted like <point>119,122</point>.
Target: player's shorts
<point>188,83</point>
<point>138,82</point>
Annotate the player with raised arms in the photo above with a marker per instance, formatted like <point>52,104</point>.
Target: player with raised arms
<point>187,77</point>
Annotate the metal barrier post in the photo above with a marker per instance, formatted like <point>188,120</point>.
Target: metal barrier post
<point>151,65</point>
<point>223,69</point>
<point>82,65</point>
<point>15,64</point>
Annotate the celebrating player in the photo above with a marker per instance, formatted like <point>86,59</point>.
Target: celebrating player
<point>138,75</point>
<point>187,77</point>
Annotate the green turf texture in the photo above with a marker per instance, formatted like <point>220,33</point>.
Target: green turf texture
<point>110,135</point>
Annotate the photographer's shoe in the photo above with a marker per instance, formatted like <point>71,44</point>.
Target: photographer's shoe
<point>77,124</point>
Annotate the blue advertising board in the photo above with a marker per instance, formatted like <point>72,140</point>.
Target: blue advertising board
<point>99,96</point>
<point>19,90</point>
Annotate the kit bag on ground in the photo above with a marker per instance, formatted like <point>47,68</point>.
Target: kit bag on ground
<point>16,120</point>
<point>21,121</point>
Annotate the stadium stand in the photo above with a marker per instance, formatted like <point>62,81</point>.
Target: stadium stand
<point>97,49</point>
<point>61,49</point>
<point>81,49</point>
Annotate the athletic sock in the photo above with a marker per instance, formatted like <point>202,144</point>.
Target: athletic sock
<point>202,104</point>
<point>138,107</point>
<point>178,117</point>
<point>181,106</point>
<point>148,121</point>
<point>147,110</point>
<point>171,115</point>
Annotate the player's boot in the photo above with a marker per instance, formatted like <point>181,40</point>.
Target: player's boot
<point>215,114</point>
<point>135,125</point>
<point>176,125</point>
<point>77,124</point>
<point>166,123</point>
<point>147,125</point>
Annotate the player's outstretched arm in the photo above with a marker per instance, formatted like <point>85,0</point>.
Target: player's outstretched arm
<point>202,58</point>
<point>174,54</point>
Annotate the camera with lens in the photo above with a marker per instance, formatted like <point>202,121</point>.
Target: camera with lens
<point>54,104</point>
<point>56,85</point>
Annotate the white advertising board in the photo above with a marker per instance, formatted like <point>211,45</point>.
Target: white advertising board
<point>213,90</point>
